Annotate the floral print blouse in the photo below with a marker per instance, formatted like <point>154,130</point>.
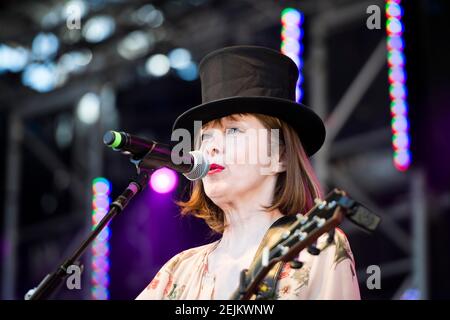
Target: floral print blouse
<point>329,275</point>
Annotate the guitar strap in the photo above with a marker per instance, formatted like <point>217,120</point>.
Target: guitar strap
<point>273,234</point>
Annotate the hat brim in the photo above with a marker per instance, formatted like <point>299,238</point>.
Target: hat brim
<point>303,120</point>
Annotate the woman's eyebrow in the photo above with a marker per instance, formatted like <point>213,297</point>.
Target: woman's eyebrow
<point>233,122</point>
<point>224,123</point>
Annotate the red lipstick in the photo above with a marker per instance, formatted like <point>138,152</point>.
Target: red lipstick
<point>215,168</point>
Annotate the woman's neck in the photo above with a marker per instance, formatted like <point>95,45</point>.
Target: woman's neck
<point>246,220</point>
<point>245,229</point>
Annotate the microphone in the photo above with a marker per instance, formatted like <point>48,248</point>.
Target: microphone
<point>152,154</point>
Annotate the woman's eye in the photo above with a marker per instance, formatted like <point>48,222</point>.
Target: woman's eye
<point>233,130</point>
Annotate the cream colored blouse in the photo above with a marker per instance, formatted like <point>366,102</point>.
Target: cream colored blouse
<point>329,275</point>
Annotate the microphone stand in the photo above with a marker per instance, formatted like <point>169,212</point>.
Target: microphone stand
<point>52,281</point>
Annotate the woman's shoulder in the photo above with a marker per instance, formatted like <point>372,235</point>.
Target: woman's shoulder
<point>337,250</point>
<point>329,275</point>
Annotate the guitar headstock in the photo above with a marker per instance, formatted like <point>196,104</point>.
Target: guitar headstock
<point>322,218</point>
<point>303,233</point>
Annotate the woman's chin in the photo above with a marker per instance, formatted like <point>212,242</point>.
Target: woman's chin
<point>218,193</point>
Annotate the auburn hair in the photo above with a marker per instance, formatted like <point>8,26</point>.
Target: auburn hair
<point>295,189</point>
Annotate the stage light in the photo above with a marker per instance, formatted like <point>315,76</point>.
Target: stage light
<point>398,108</point>
<point>394,26</point>
<point>75,7</point>
<point>291,17</point>
<point>101,189</point>
<point>291,45</point>
<point>188,73</point>
<point>411,294</point>
<point>156,19</point>
<point>157,65</point>
<point>143,14</point>
<point>135,45</point>
<point>44,46</point>
<point>98,28</point>
<point>396,58</point>
<point>148,15</point>
<point>397,75</point>
<point>64,131</point>
<point>400,141</point>
<point>40,77</point>
<point>179,58</point>
<point>75,61</point>
<point>88,109</point>
<point>399,124</point>
<point>397,86</point>
<point>51,19</point>
<point>163,180</point>
<point>395,43</point>
<point>13,59</point>
<point>397,90</point>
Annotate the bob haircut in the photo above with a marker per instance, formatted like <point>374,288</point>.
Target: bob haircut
<point>295,189</point>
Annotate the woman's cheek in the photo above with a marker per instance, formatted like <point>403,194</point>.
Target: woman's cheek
<point>240,151</point>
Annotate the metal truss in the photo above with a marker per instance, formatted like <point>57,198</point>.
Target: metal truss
<point>414,207</point>
<point>87,164</point>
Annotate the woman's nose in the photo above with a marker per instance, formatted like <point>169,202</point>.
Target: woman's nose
<point>213,146</point>
<point>212,149</point>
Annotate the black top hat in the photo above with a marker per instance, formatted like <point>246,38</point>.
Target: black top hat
<point>252,79</point>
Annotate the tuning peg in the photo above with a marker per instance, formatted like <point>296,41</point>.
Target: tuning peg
<point>285,234</point>
<point>321,203</point>
<point>312,249</point>
<point>296,264</point>
<point>283,249</point>
<point>302,218</point>
<point>301,235</point>
<point>318,201</point>
<point>331,205</point>
<point>319,221</point>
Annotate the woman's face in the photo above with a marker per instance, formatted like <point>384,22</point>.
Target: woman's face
<point>241,163</point>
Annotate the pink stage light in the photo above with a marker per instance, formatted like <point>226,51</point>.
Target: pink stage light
<point>163,180</point>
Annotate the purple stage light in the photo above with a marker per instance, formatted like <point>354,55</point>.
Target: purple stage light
<point>163,180</point>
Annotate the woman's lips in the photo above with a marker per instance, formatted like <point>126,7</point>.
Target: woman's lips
<point>215,168</point>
